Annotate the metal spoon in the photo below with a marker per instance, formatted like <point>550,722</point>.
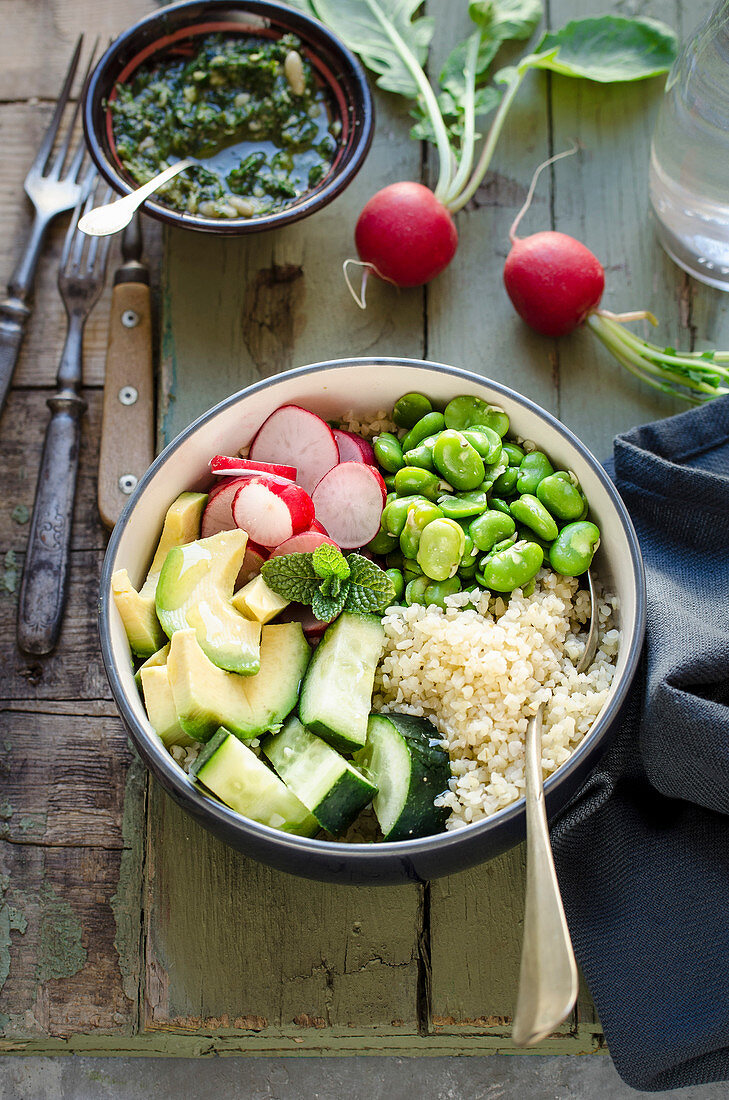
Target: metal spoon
<point>116,215</point>
<point>548,974</point>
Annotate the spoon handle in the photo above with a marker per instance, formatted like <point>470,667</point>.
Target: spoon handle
<point>548,975</point>
<point>115,216</point>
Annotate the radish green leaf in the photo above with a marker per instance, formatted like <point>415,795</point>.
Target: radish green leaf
<point>608,48</point>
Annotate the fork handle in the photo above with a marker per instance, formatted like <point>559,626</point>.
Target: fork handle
<point>45,574</point>
<point>14,316</point>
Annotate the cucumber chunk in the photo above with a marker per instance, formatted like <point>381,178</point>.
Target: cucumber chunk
<point>409,772</point>
<point>238,778</point>
<point>324,781</point>
<point>336,695</point>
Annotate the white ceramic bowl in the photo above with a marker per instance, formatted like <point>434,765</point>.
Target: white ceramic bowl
<point>330,389</point>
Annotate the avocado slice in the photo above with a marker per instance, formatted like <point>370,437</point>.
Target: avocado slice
<point>194,590</point>
<point>206,697</point>
<point>159,657</point>
<point>257,601</point>
<point>137,610</point>
<point>160,706</point>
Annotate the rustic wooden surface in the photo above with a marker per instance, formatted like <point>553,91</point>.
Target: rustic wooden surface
<point>124,928</point>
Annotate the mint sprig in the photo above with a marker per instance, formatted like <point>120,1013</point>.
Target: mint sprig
<point>330,582</point>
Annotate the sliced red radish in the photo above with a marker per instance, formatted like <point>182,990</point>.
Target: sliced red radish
<point>353,448</point>
<point>296,613</point>
<point>271,510</point>
<point>299,438</point>
<point>349,500</point>
<point>305,543</point>
<point>218,514</point>
<point>316,526</point>
<point>254,558</point>
<point>234,465</point>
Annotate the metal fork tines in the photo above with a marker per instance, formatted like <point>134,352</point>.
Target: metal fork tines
<point>53,185</point>
<point>43,588</point>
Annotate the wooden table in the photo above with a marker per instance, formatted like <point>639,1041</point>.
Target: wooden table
<point>124,927</point>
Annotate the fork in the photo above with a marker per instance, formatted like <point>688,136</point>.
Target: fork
<point>43,589</point>
<point>52,187</point>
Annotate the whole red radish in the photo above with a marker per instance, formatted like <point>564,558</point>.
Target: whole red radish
<point>406,234</point>
<point>553,281</point>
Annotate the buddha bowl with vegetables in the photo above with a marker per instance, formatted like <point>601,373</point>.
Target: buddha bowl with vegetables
<point>272,106</point>
<point>338,648</point>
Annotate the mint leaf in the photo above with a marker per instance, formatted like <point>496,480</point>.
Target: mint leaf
<point>291,576</point>
<point>370,589</point>
<point>329,561</point>
<point>326,607</point>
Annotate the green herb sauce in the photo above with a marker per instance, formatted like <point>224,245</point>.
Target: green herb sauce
<point>252,105</point>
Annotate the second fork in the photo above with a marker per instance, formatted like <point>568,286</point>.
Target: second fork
<point>45,573</point>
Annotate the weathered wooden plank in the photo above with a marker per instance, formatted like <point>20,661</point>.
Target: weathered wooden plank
<point>63,778</point>
<point>58,963</point>
<point>38,40</point>
<point>234,944</point>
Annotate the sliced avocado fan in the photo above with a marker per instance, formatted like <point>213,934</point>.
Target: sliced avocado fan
<point>194,590</point>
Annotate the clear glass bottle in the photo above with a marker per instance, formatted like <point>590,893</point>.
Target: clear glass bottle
<point>689,165</point>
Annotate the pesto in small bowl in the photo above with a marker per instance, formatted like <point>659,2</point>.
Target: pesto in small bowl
<point>251,107</point>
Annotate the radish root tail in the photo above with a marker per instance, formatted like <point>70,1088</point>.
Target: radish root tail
<point>533,184</point>
<point>625,318</point>
<point>361,298</point>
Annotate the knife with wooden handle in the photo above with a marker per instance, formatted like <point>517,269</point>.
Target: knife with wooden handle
<point>127,424</point>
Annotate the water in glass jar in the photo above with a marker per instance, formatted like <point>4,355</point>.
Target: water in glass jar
<point>689,166</point>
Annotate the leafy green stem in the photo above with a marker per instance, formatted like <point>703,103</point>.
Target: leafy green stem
<point>515,77</point>
<point>445,160</point>
<point>469,119</point>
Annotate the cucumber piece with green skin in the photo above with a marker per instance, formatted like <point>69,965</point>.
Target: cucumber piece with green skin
<point>238,778</point>
<point>410,772</point>
<point>319,776</point>
<point>206,697</point>
<point>336,695</point>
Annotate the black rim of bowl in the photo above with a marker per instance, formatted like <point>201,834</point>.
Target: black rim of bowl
<point>360,855</point>
<point>337,66</point>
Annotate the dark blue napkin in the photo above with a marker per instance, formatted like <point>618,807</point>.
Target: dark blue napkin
<point>642,851</point>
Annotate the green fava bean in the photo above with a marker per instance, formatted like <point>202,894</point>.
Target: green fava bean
<point>527,509</point>
<point>415,590</point>
<point>393,560</point>
<point>470,554</point>
<point>412,480</point>
<point>437,591</point>
<point>560,497</point>
<point>418,518</point>
<point>510,568</point>
<point>396,512</point>
<point>572,551</point>
<point>525,534</point>
<point>429,424</point>
<point>398,583</point>
<point>389,480</point>
<point>534,467</point>
<point>505,484</point>
<point>491,527</point>
<point>382,543</point>
<point>486,441</point>
<point>410,569</point>
<point>513,452</point>
<point>422,456</point>
<point>467,572</point>
<point>388,452</point>
<point>499,505</point>
<point>441,548</point>
<point>464,505</point>
<point>410,408</point>
<point>457,461</point>
<point>472,412</point>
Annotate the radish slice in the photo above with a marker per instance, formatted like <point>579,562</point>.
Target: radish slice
<point>218,514</point>
<point>233,464</point>
<point>271,510</point>
<point>296,613</point>
<point>254,558</point>
<point>300,438</point>
<point>349,500</point>
<point>316,526</point>
<point>305,543</point>
<point>353,448</point>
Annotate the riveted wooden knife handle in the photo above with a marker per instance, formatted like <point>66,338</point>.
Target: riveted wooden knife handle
<point>127,425</point>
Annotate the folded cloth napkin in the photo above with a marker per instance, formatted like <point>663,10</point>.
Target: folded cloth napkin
<point>642,851</point>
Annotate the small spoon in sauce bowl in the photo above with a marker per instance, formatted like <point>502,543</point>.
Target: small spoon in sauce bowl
<point>548,974</point>
<point>115,216</point>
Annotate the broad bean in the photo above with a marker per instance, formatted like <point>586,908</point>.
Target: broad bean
<point>415,590</point>
<point>486,441</point>
<point>396,512</point>
<point>436,591</point>
<point>398,583</point>
<point>388,452</point>
<point>382,543</point>
<point>510,568</point>
<point>473,412</point>
<point>410,408</point>
<point>464,505</point>
<point>527,509</point>
<point>513,452</point>
<point>505,484</point>
<point>429,424</point>
<point>491,527</point>
<point>561,497</point>
<point>414,481</point>
<point>534,467</point>
<point>422,456</point>
<point>418,518</point>
<point>441,547</point>
<point>457,461</point>
<point>572,551</point>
